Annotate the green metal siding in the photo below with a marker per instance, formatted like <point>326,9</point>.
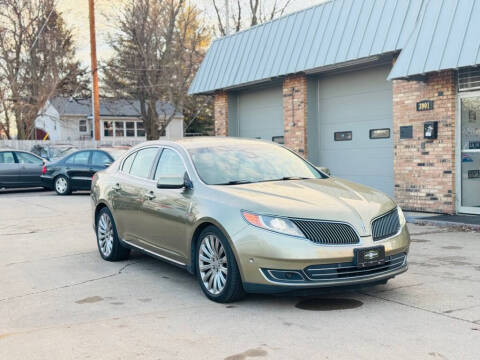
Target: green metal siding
<point>329,33</point>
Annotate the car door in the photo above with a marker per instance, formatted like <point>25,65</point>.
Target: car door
<point>165,211</point>
<point>30,169</point>
<point>9,169</point>
<point>130,184</point>
<point>77,168</point>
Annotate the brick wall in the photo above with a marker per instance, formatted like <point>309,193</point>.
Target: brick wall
<point>425,169</point>
<point>295,113</point>
<point>221,113</point>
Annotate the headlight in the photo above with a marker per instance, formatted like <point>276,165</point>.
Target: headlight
<point>401,217</point>
<point>276,224</point>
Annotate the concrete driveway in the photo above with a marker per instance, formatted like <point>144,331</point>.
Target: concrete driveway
<point>60,300</point>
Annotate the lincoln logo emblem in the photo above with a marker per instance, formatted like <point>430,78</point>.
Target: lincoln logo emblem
<point>372,254</point>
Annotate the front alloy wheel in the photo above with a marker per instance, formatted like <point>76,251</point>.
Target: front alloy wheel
<point>213,264</point>
<point>217,268</point>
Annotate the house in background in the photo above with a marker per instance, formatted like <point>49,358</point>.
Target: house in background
<point>67,119</point>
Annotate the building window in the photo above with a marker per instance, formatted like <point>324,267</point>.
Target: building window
<point>343,136</point>
<point>107,128</point>
<point>140,129</point>
<point>82,125</point>
<point>130,128</point>
<point>123,129</point>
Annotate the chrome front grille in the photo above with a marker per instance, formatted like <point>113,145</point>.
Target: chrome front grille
<point>327,233</point>
<point>350,270</point>
<point>386,225</point>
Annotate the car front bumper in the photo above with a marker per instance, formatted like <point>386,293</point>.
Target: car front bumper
<point>271,262</point>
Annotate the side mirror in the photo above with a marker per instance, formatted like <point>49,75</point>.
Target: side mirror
<point>171,182</point>
<point>324,170</point>
<point>107,164</point>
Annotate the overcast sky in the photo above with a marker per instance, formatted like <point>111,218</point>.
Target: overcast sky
<point>75,13</point>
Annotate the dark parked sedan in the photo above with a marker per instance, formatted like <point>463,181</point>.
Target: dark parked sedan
<point>19,169</point>
<point>75,171</point>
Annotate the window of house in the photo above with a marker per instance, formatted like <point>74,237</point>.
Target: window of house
<point>130,125</point>
<point>119,128</point>
<point>107,128</point>
<point>82,125</point>
<point>140,129</point>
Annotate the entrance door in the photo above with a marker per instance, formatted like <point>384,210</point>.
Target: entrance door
<point>468,150</point>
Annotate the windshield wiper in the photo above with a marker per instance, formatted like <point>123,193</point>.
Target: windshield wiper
<point>236,182</point>
<point>286,178</point>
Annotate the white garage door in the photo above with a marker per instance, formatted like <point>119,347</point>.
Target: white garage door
<point>356,103</point>
<point>260,113</point>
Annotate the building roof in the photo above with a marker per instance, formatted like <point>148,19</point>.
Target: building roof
<point>108,107</point>
<point>329,33</point>
<point>434,35</point>
<point>447,36</point>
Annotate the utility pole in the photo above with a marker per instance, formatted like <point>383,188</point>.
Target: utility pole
<point>93,51</point>
<point>227,17</point>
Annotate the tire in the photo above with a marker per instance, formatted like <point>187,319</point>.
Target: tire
<point>108,243</point>
<point>62,185</point>
<point>214,247</point>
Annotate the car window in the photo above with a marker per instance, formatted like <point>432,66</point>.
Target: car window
<point>25,158</point>
<point>143,162</point>
<point>127,163</point>
<point>7,158</point>
<point>80,158</point>
<point>170,165</point>
<point>99,158</point>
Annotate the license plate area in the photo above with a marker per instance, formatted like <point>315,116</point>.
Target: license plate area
<point>367,257</point>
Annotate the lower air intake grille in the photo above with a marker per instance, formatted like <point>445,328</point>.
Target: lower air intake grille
<point>385,226</point>
<point>328,233</point>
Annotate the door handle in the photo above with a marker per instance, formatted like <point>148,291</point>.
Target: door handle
<point>150,195</point>
<point>116,187</point>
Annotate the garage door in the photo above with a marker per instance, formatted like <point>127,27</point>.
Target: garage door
<point>260,114</point>
<point>351,106</point>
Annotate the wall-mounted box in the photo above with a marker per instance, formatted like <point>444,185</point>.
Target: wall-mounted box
<point>430,130</point>
<point>406,132</point>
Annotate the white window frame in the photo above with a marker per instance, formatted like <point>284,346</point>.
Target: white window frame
<point>114,129</point>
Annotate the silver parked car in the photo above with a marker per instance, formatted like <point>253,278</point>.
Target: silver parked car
<point>20,169</point>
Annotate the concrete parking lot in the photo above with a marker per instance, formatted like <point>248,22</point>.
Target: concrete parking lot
<point>60,300</point>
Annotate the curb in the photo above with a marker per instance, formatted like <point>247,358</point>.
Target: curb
<point>449,224</point>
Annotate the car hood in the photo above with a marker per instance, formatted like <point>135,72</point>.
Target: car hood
<point>326,199</point>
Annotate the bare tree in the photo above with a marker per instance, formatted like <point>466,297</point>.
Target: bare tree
<point>158,46</point>
<point>258,11</point>
<point>36,62</point>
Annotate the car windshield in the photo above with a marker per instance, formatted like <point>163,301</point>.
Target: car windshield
<point>254,162</point>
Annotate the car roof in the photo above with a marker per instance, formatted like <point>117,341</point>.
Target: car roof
<point>205,141</point>
<point>16,150</point>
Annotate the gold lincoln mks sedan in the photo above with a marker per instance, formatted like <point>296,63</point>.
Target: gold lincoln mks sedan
<point>246,216</point>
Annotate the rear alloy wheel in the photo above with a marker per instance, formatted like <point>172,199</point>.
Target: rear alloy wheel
<point>216,267</point>
<point>109,246</point>
<point>62,185</point>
